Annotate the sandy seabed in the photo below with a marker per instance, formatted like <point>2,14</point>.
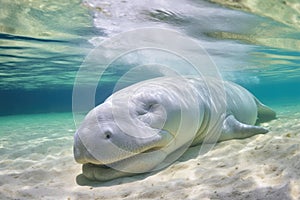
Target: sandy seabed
<point>37,163</point>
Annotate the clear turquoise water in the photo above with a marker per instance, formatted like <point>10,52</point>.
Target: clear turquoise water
<point>28,139</point>
<point>42,45</point>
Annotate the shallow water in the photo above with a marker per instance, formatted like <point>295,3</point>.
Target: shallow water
<point>43,44</point>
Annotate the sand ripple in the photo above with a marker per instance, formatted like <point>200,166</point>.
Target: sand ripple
<point>261,167</point>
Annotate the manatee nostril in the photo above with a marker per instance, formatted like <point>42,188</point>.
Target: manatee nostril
<point>150,106</point>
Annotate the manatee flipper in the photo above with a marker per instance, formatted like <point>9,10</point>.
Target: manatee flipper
<point>264,113</point>
<point>233,129</point>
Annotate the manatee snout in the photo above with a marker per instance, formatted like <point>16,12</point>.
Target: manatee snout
<point>81,154</point>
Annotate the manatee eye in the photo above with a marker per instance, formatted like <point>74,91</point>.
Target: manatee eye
<point>107,135</point>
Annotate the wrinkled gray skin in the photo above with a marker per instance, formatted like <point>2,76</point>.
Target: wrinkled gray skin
<point>138,128</point>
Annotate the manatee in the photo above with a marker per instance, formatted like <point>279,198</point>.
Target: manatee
<point>147,125</point>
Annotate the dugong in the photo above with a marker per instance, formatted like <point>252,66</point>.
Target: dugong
<point>140,127</point>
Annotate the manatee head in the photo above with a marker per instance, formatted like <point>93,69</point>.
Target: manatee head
<point>131,132</point>
<point>103,139</point>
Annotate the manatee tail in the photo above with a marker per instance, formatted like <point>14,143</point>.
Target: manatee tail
<point>264,113</point>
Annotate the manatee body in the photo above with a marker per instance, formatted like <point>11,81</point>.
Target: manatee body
<point>146,125</point>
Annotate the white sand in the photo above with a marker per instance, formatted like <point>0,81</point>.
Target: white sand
<point>260,167</point>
